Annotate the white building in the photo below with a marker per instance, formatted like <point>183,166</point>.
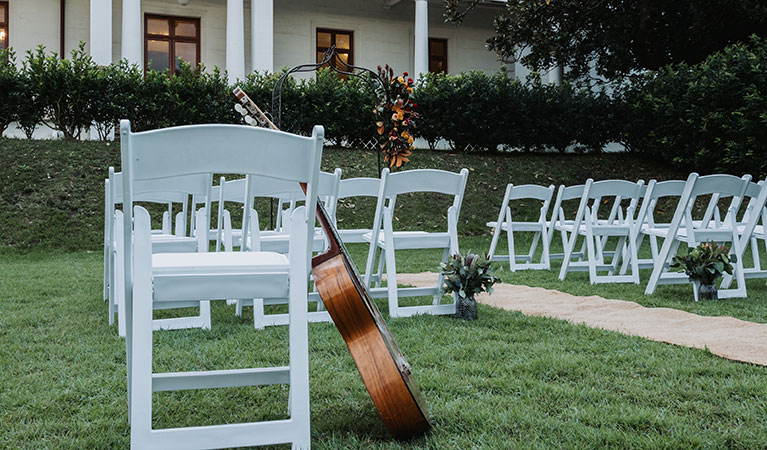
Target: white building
<point>246,35</point>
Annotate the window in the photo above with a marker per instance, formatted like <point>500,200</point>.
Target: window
<point>437,55</point>
<point>343,40</point>
<point>3,25</point>
<point>166,39</point>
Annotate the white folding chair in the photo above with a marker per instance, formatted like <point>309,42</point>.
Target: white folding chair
<point>683,228</point>
<point>169,277</point>
<point>618,224</point>
<point>388,240</point>
<point>351,188</point>
<point>539,228</point>
<point>264,187</point>
<point>153,191</point>
<point>559,219</point>
<point>646,218</point>
<point>751,232</point>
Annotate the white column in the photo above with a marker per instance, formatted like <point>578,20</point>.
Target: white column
<point>555,75</point>
<point>101,32</point>
<point>131,34</point>
<point>262,35</point>
<point>421,60</point>
<point>235,40</point>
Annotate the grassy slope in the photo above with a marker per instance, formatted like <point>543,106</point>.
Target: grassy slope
<point>504,381</point>
<point>52,194</point>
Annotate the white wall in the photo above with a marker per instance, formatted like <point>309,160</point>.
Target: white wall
<point>381,36</point>
<point>31,23</point>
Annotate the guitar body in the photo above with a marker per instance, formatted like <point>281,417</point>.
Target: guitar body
<point>382,367</point>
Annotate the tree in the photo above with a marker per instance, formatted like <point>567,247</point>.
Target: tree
<point>617,37</point>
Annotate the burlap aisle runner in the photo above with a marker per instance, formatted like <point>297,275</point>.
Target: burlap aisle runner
<point>724,336</point>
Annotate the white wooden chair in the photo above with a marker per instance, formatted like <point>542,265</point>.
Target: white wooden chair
<point>197,276</point>
<point>538,228</point>
<point>683,228</point>
<point>618,224</point>
<point>384,238</point>
<point>153,191</point>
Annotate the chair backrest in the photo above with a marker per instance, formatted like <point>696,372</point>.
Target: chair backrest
<point>423,180</point>
<point>722,184</point>
<point>208,149</point>
<point>619,190</point>
<point>359,187</point>
<point>531,191</point>
<point>418,180</point>
<point>565,193</point>
<point>524,192</point>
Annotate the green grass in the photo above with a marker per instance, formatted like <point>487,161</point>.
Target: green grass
<point>506,380</point>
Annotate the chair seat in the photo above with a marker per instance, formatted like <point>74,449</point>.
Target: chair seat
<point>219,262</point>
<point>354,235</point>
<point>681,233</point>
<point>169,243</point>
<point>404,240</point>
<point>518,226</point>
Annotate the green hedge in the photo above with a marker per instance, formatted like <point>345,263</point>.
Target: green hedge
<point>708,117</point>
<point>487,111</point>
<point>471,110</point>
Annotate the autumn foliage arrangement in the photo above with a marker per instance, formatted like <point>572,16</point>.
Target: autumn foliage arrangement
<point>395,117</point>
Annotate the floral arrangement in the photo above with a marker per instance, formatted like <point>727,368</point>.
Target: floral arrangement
<point>468,275</point>
<point>395,117</point>
<point>705,263</point>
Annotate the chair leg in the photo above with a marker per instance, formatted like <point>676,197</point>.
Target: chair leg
<point>205,314</point>
<point>634,255</point>
<point>512,253</point>
<point>441,278</point>
<point>590,249</point>
<point>545,258</point>
<point>568,251</point>
<point>258,313</point>
<point>391,280</point>
<point>379,272</point>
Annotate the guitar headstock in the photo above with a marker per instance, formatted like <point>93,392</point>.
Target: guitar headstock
<point>251,113</point>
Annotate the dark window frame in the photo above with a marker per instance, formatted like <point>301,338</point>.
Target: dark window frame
<point>5,23</point>
<point>443,58</point>
<point>171,38</point>
<point>333,33</point>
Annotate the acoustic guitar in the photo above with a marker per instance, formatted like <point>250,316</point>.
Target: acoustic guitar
<point>383,369</point>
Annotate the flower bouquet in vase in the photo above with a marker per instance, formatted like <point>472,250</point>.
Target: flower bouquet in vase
<point>466,276</point>
<point>704,265</point>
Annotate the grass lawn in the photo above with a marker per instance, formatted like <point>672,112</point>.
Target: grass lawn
<point>506,380</point>
<point>503,381</point>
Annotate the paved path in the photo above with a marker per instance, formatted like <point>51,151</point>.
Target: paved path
<point>724,336</point>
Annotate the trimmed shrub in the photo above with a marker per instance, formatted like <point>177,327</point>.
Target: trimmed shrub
<point>708,117</point>
<point>472,110</point>
<point>477,111</point>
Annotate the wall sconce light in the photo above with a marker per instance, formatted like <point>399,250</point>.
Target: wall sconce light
<point>183,2</point>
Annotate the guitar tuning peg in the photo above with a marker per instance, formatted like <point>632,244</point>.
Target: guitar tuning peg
<point>238,107</point>
<point>250,121</point>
